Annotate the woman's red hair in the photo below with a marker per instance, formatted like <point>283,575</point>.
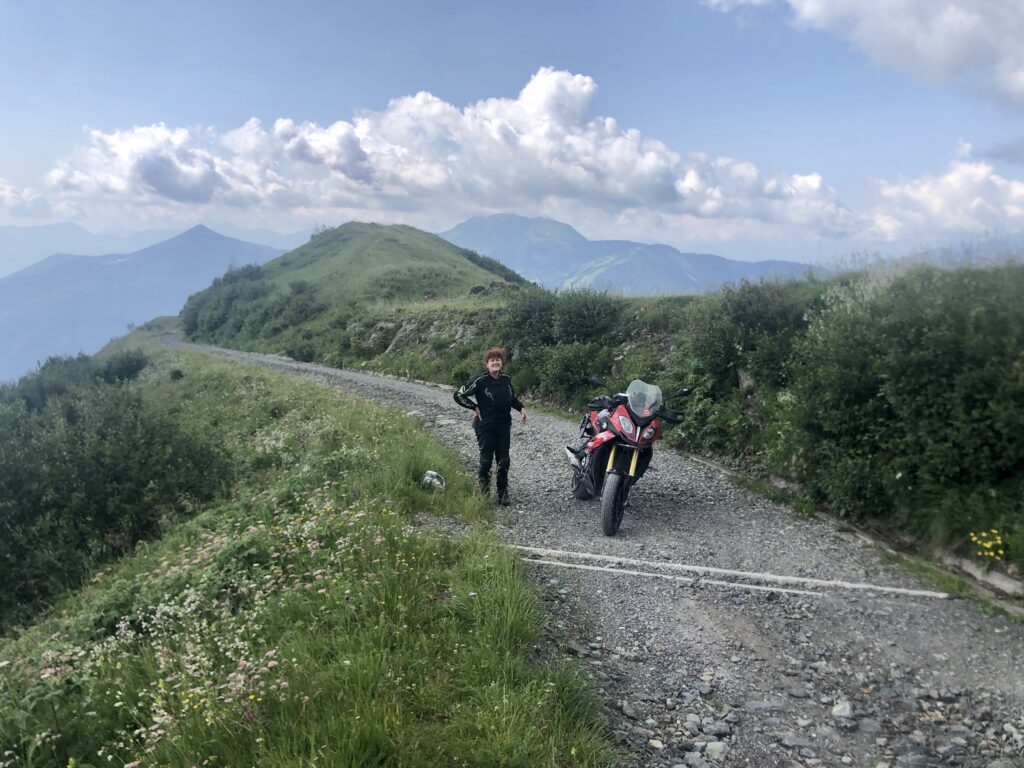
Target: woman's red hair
<point>495,352</point>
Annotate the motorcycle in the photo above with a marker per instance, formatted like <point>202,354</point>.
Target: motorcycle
<point>618,433</point>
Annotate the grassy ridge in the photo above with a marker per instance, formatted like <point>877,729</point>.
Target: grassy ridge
<point>303,622</point>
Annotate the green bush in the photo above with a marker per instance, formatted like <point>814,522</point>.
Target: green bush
<point>909,393</point>
<point>85,477</point>
<point>564,370</point>
<point>584,315</point>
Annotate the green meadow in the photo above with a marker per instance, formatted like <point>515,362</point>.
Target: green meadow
<point>307,613</point>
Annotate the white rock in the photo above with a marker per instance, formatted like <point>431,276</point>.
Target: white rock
<point>717,750</point>
<point>842,709</point>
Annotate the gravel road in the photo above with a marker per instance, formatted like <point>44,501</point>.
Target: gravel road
<point>703,667</point>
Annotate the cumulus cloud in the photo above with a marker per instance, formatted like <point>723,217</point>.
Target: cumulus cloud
<point>970,199</point>
<point>540,152</point>
<point>22,201</point>
<point>939,42</point>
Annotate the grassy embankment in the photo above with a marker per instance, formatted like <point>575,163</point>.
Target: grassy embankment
<point>302,619</point>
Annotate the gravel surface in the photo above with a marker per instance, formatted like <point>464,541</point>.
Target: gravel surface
<point>704,668</point>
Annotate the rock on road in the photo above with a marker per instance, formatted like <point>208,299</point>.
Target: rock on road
<point>710,668</point>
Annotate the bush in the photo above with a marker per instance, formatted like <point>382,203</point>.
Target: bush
<point>83,479</point>
<point>584,315</point>
<point>564,370</point>
<point>909,392</point>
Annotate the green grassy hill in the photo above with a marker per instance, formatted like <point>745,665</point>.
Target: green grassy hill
<point>345,293</point>
<point>359,262</point>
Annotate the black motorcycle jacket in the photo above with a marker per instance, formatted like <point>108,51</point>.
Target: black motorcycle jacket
<point>495,397</point>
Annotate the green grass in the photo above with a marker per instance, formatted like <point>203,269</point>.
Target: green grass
<point>792,499</point>
<point>307,621</point>
<point>364,260</point>
<point>930,574</point>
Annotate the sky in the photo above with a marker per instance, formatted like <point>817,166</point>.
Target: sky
<point>753,129</point>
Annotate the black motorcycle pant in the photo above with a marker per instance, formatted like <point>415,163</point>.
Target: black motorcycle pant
<point>493,440</point>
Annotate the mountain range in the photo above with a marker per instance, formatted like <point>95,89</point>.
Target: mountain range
<point>556,256</point>
<point>67,304</point>
<point>21,247</point>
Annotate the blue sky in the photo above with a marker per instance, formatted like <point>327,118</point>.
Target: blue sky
<point>750,128</point>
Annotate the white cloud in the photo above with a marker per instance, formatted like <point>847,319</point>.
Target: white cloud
<point>969,200</point>
<point>429,163</point>
<point>540,152</point>
<point>978,41</point>
<point>22,201</point>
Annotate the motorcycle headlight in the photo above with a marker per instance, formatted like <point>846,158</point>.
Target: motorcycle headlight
<point>625,424</point>
<point>649,433</point>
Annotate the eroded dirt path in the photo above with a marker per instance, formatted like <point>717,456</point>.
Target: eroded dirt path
<point>704,668</point>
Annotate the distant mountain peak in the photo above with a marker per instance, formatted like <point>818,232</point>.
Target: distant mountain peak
<point>555,255</point>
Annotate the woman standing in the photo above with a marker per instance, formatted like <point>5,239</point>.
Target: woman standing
<point>491,397</point>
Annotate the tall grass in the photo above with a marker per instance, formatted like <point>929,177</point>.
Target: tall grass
<point>307,621</point>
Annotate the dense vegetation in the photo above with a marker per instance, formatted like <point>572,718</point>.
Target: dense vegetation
<point>88,468</point>
<point>301,620</point>
<point>892,394</point>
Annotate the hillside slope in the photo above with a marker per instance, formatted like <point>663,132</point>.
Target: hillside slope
<point>328,297</point>
<point>69,304</point>
<point>358,260</point>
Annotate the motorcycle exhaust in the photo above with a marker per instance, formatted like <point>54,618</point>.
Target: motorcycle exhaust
<point>574,460</point>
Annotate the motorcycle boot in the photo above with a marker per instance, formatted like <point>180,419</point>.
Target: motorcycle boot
<point>484,478</point>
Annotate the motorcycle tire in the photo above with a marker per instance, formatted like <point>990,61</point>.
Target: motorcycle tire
<point>612,504</point>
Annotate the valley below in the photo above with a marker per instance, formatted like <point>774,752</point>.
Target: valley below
<point>720,628</point>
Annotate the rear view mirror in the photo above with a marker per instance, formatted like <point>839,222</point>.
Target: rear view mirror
<point>596,381</point>
<point>681,392</point>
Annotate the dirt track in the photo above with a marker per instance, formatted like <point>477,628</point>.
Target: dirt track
<point>818,654</point>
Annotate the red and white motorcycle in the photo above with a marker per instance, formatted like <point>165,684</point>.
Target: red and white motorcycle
<point>618,434</point>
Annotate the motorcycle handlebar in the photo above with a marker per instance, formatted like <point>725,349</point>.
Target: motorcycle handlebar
<point>672,417</point>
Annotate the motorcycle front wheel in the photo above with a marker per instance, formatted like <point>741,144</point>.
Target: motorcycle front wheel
<point>612,504</point>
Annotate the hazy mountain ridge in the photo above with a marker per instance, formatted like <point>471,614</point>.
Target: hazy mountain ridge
<point>72,303</point>
<point>25,247</point>
<point>555,255</point>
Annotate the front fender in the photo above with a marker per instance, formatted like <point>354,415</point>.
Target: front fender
<point>600,439</point>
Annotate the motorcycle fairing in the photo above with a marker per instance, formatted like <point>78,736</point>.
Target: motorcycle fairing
<point>599,439</point>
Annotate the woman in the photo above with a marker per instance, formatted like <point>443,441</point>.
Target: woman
<point>491,397</point>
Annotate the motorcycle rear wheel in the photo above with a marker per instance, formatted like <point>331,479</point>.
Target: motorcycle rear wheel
<point>612,504</point>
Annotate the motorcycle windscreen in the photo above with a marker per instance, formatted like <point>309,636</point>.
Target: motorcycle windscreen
<point>644,399</point>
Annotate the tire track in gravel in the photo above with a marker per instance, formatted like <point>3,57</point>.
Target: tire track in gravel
<point>696,673</point>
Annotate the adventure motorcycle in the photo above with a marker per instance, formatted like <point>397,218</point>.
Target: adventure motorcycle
<point>618,434</point>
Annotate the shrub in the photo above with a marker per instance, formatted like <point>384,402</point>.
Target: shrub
<point>910,391</point>
<point>564,369</point>
<point>85,478</point>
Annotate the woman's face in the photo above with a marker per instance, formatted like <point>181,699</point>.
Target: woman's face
<point>494,365</point>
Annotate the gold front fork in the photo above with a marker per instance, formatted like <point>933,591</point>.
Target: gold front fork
<point>632,464</point>
<point>611,460</point>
